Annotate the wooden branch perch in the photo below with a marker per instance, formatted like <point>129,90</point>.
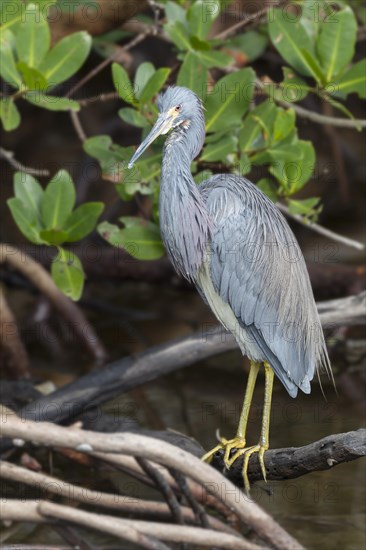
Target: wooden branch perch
<point>294,462</point>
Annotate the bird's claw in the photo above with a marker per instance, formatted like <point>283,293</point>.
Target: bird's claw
<point>227,445</point>
<point>246,452</point>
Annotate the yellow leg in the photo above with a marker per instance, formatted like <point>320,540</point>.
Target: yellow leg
<point>239,441</point>
<point>264,438</point>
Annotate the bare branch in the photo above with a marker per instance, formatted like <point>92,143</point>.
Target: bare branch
<point>321,230</point>
<point>11,342</point>
<point>78,127</point>
<point>164,488</point>
<point>98,99</point>
<point>323,119</point>
<point>294,462</point>
<point>249,18</point>
<point>9,157</point>
<point>123,503</point>
<point>142,533</point>
<point>116,56</point>
<point>163,453</point>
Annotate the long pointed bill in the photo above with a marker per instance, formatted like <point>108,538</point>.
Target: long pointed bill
<point>161,127</point>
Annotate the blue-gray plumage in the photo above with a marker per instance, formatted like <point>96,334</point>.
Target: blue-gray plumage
<point>232,242</point>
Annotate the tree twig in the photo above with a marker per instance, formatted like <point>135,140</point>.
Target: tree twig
<point>249,18</point>
<point>323,119</point>
<point>305,113</point>
<point>164,487</point>
<point>77,126</point>
<point>11,342</point>
<point>321,230</point>
<point>198,510</point>
<point>9,157</point>
<point>116,56</point>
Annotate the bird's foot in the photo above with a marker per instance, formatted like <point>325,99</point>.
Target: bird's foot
<point>246,453</point>
<point>227,445</point>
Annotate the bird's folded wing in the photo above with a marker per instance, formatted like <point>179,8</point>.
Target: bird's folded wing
<point>258,269</point>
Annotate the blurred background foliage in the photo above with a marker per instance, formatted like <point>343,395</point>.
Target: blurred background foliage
<point>51,54</point>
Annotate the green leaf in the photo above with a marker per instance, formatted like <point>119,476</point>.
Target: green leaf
<point>144,176</point>
<point>66,57</point>
<point>174,12</point>
<point>9,114</point>
<point>32,78</point>
<point>113,159</point>
<point>135,221</point>
<point>83,220</point>
<point>336,42</point>
<point>11,12</point>
<point>143,74</point>
<point>291,40</point>
<point>341,107</point>
<point>284,124</point>
<point>314,66</point>
<point>221,150</point>
<point>140,242</point>
<point>29,191</point>
<point>8,70</point>
<point>68,274</point>
<point>133,117</point>
<point>33,36</point>
<point>54,237</point>
<point>249,45</point>
<point>293,88</point>
<point>58,201</point>
<point>309,208</point>
<point>200,16</point>
<point>269,188</point>
<point>179,35</point>
<point>354,80</point>
<point>245,164</point>
<point>26,220</point>
<point>257,127</point>
<point>154,84</point>
<point>52,103</point>
<point>214,58</point>
<point>293,173</point>
<point>123,84</point>
<point>229,100</point>
<point>193,75</point>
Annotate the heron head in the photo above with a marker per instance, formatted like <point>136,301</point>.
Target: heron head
<point>178,107</point>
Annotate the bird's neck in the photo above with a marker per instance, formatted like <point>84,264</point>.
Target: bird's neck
<point>184,222</point>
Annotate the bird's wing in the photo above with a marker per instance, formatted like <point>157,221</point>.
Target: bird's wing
<point>258,269</point>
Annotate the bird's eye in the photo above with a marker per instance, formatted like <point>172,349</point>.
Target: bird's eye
<point>178,108</point>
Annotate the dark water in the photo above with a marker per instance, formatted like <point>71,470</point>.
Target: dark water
<point>323,509</point>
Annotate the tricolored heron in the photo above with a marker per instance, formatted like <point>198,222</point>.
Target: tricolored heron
<point>232,242</point>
